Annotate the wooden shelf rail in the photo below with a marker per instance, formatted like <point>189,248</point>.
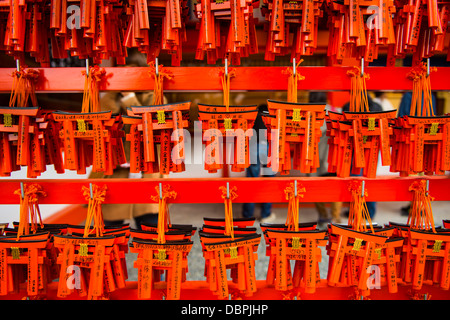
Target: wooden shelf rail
<point>208,79</point>
<point>205,190</point>
<point>199,290</point>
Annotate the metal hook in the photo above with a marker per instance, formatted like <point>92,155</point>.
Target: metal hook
<point>226,67</point>
<point>22,190</point>
<point>362,67</point>
<point>156,66</point>
<point>295,188</point>
<point>363,184</point>
<point>294,67</point>
<point>160,190</point>
<point>228,190</point>
<point>91,191</point>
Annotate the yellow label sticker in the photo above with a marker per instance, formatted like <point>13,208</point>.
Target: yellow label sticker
<point>378,252</point>
<point>7,120</point>
<point>434,129</point>
<point>161,255</point>
<point>295,242</point>
<point>81,125</point>
<point>296,115</point>
<point>371,124</point>
<point>227,123</point>
<point>357,244</point>
<point>83,251</point>
<point>365,139</point>
<point>15,252</point>
<point>233,252</point>
<point>161,116</point>
<point>437,246</point>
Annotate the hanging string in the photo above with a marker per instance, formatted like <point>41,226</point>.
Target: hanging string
<point>228,201</point>
<point>421,100</point>
<point>94,213</point>
<point>163,213</point>
<point>18,89</point>
<point>225,79</point>
<point>30,215</point>
<point>359,101</point>
<point>416,92</point>
<point>421,214</point>
<point>293,198</point>
<point>293,79</point>
<point>31,77</point>
<point>158,78</point>
<point>24,88</point>
<point>359,217</point>
<point>91,98</point>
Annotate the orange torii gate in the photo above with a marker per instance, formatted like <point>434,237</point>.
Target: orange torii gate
<point>91,139</point>
<point>298,135</point>
<point>303,248</point>
<point>155,124</point>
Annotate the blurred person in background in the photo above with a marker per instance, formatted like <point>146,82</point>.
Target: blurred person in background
<point>335,207</point>
<point>383,101</point>
<point>258,168</point>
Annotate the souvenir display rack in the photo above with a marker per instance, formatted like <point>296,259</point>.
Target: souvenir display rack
<point>204,190</point>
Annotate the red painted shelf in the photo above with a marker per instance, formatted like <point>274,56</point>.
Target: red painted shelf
<point>208,78</point>
<point>205,190</point>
